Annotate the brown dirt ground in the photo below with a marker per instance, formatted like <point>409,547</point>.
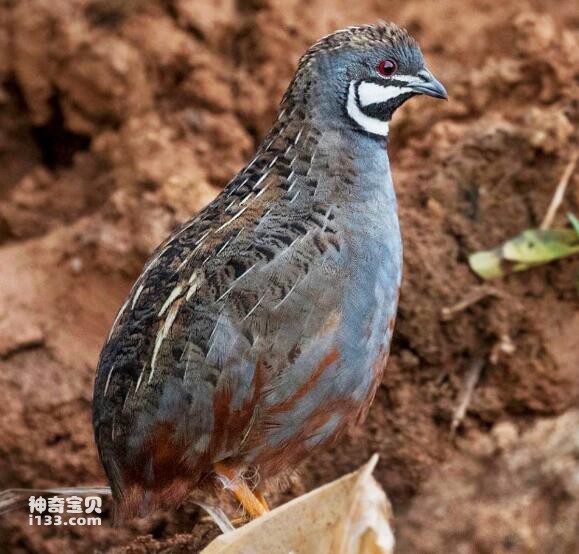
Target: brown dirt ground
<point>121,118</point>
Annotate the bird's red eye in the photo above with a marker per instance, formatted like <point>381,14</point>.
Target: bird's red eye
<point>387,68</point>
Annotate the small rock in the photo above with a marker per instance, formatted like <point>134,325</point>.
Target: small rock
<point>505,434</point>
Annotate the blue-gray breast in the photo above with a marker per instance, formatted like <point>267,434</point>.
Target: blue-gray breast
<point>258,332</point>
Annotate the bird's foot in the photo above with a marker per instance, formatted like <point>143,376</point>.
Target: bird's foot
<point>253,502</point>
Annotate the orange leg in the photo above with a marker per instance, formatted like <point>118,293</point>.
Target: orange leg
<point>261,499</point>
<point>253,503</point>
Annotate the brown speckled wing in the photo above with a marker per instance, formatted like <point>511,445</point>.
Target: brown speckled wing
<point>242,284</point>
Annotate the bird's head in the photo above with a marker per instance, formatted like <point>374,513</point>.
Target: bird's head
<point>363,74</point>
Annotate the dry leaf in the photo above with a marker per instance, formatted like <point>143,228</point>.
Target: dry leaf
<point>348,516</point>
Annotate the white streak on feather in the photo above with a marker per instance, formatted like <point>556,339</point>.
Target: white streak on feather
<point>199,243</point>
<point>231,220</point>
<point>298,135</point>
<point>154,260</point>
<point>258,182</point>
<point>210,341</point>
<point>174,294</point>
<point>237,187</point>
<point>230,288</point>
<point>251,163</point>
<point>246,199</point>
<point>287,295</point>
<point>311,162</point>
<point>184,262</point>
<point>139,380</point>
<point>161,335</point>
<point>194,282</point>
<point>185,227</point>
<point>117,318</point>
<point>326,216</point>
<point>229,241</point>
<point>137,294</point>
<point>295,196</point>
<point>265,187</point>
<point>108,379</point>
<point>254,307</point>
<point>224,246</point>
<point>293,184</point>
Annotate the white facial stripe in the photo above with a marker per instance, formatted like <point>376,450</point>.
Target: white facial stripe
<point>405,78</point>
<point>369,124</point>
<point>373,93</point>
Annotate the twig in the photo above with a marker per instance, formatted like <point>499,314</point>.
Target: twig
<point>559,192</point>
<point>471,379</point>
<point>446,314</point>
<point>504,345</point>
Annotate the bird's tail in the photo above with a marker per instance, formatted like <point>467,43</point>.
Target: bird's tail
<point>13,499</point>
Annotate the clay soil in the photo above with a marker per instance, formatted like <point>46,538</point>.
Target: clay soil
<point>120,119</point>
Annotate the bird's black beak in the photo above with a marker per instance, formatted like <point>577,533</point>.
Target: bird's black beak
<point>428,84</point>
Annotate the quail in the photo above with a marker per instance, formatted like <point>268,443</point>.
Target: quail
<point>257,333</point>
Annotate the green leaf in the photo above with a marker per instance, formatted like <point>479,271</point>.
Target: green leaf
<point>574,221</point>
<point>531,248</point>
<point>486,264</point>
<point>540,246</point>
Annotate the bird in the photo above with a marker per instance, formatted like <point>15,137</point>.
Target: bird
<point>257,333</point>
